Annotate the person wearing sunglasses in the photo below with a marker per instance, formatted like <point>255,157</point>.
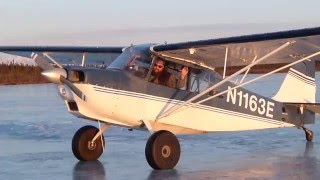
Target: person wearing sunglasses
<point>160,76</point>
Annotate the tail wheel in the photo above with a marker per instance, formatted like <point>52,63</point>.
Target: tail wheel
<point>162,150</point>
<point>82,147</point>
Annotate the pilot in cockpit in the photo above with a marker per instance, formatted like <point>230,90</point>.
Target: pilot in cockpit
<point>161,76</point>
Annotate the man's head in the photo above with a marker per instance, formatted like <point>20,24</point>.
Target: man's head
<point>158,67</point>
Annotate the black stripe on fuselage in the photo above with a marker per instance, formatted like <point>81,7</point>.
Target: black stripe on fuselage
<point>127,93</point>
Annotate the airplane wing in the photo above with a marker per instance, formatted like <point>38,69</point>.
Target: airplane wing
<point>237,52</point>
<point>68,54</point>
<point>71,49</point>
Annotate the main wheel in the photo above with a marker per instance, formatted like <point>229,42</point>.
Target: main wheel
<point>82,147</point>
<point>162,150</point>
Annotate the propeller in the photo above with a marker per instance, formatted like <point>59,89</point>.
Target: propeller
<point>56,75</point>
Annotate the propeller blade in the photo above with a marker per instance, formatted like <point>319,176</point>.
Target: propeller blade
<point>41,62</point>
<point>77,91</point>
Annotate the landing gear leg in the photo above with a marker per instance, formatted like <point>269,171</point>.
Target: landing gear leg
<point>88,143</point>
<point>162,150</point>
<point>309,133</point>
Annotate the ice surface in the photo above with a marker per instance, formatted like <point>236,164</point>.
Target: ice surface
<point>36,132</point>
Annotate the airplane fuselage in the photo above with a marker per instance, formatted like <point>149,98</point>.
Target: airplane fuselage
<point>120,98</point>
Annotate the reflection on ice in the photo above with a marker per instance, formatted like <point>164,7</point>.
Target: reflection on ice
<point>309,149</point>
<point>283,166</point>
<point>163,174</point>
<point>89,170</point>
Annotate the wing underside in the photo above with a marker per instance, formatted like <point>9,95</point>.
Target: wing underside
<point>241,51</point>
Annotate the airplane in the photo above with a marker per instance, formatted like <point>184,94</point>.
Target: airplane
<point>208,100</point>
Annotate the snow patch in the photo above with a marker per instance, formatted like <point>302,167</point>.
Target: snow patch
<point>14,59</point>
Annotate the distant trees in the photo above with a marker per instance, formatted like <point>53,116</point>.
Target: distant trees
<point>11,74</point>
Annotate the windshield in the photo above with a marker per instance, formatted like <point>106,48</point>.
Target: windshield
<point>135,59</point>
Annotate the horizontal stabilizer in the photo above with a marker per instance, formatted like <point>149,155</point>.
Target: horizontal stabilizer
<point>314,107</point>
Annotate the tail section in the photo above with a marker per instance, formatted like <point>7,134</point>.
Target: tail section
<point>299,85</point>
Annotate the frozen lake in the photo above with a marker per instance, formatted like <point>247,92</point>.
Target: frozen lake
<point>36,132</point>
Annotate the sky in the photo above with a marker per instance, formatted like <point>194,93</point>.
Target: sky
<point>115,22</point>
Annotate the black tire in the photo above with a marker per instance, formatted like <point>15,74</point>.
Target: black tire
<point>80,144</point>
<point>162,150</point>
<point>309,135</point>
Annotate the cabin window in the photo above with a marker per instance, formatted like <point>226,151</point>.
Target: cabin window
<point>135,59</point>
<point>76,76</point>
<point>175,70</point>
<point>167,74</point>
<point>201,80</point>
<point>139,66</point>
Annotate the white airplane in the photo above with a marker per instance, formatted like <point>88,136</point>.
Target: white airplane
<point>182,88</point>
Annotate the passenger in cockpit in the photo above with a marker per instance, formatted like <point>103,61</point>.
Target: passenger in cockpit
<point>160,76</point>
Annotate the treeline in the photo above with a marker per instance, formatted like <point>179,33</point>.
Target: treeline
<point>11,74</point>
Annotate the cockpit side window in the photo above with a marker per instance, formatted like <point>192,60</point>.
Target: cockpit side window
<point>139,65</point>
<point>168,74</point>
<point>175,70</point>
<point>135,59</point>
<point>201,80</point>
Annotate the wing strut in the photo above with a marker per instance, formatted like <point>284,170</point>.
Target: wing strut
<point>51,59</point>
<point>171,110</point>
<point>245,74</point>
<point>257,78</point>
<point>83,59</point>
<point>225,63</point>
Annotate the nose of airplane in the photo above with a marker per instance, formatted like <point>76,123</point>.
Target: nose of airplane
<point>53,75</point>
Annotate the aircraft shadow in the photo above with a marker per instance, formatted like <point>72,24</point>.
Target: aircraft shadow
<point>89,170</point>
